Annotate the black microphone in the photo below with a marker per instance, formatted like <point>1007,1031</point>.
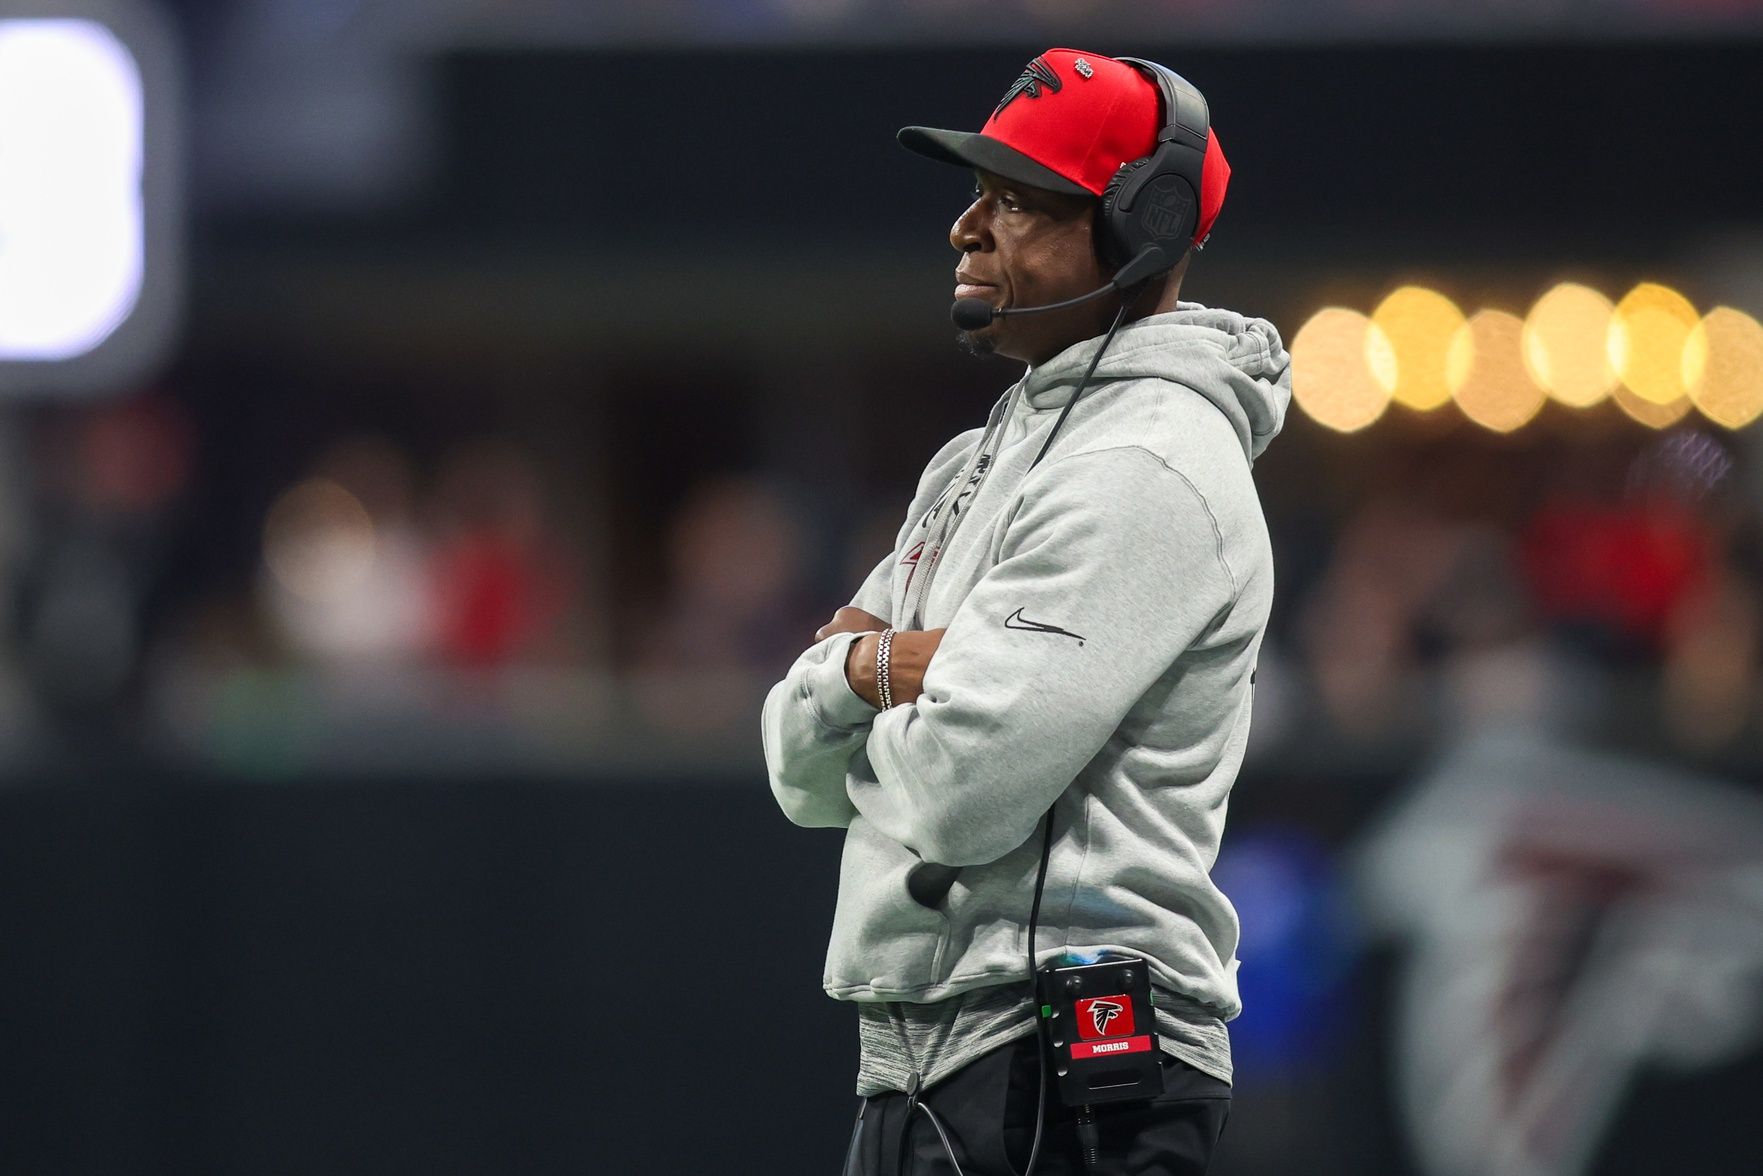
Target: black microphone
<point>970,314</point>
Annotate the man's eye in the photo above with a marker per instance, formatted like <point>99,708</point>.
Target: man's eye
<point>1005,200</point>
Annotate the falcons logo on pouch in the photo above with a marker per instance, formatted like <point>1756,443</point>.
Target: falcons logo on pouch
<point>1570,919</point>
<point>1102,1014</point>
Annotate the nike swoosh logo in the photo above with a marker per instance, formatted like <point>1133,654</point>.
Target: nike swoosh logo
<point>1016,621</point>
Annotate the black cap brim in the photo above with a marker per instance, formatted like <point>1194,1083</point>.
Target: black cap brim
<point>972,149</point>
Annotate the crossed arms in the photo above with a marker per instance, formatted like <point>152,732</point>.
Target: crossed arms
<point>1116,556</point>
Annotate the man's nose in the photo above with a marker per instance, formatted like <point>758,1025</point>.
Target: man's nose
<point>970,231</point>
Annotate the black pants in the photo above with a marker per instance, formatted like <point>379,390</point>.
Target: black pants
<point>988,1109</point>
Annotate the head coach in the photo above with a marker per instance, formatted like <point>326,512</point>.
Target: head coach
<point>1030,716</point>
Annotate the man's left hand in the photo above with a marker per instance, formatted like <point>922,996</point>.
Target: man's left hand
<point>850,619</point>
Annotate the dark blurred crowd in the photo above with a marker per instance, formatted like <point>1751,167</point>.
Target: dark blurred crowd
<point>1573,584</point>
<point>1599,580</point>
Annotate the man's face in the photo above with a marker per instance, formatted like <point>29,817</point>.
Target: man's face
<point>1023,246</point>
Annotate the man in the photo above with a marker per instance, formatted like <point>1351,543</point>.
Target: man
<point>1069,636</point>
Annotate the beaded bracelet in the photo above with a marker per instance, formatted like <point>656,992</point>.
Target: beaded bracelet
<point>883,687</point>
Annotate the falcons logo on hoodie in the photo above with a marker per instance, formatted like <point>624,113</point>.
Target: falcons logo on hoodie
<point>910,559</point>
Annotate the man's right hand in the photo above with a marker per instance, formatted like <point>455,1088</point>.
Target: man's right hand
<point>908,658</point>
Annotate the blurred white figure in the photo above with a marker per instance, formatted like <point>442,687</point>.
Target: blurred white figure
<point>345,569</point>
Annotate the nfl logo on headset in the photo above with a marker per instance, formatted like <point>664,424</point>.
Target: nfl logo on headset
<point>1167,203</point>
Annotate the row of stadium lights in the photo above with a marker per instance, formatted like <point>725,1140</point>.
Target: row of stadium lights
<point>1651,353</point>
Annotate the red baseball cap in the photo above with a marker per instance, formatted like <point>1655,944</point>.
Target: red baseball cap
<point>1067,124</point>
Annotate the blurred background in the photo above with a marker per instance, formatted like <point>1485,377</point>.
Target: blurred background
<point>426,431</point>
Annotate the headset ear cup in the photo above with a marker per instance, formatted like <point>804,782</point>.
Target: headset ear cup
<point>1152,201</point>
<point>1114,248</point>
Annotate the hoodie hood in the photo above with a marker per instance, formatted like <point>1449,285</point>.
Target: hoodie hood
<point>1236,362</point>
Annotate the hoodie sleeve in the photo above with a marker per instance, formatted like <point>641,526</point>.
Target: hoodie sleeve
<point>1111,568</point>
<point>813,721</point>
<point>876,595</point>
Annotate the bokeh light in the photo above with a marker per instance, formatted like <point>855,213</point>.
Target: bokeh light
<point>1650,353</point>
<point>1420,325</point>
<point>1335,358</point>
<point>1723,367</point>
<point>1566,345</point>
<point>1654,416</point>
<point>1487,372</point>
<point>1648,331</point>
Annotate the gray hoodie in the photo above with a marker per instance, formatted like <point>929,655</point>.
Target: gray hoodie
<point>1104,614</point>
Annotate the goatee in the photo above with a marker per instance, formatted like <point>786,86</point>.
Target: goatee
<point>975,346</point>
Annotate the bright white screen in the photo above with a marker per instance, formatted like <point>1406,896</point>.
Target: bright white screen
<point>71,247</point>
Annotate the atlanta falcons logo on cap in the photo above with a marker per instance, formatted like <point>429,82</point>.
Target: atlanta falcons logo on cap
<point>1102,1014</point>
<point>1037,74</point>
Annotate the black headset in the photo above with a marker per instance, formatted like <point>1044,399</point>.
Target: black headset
<point>1155,201</point>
